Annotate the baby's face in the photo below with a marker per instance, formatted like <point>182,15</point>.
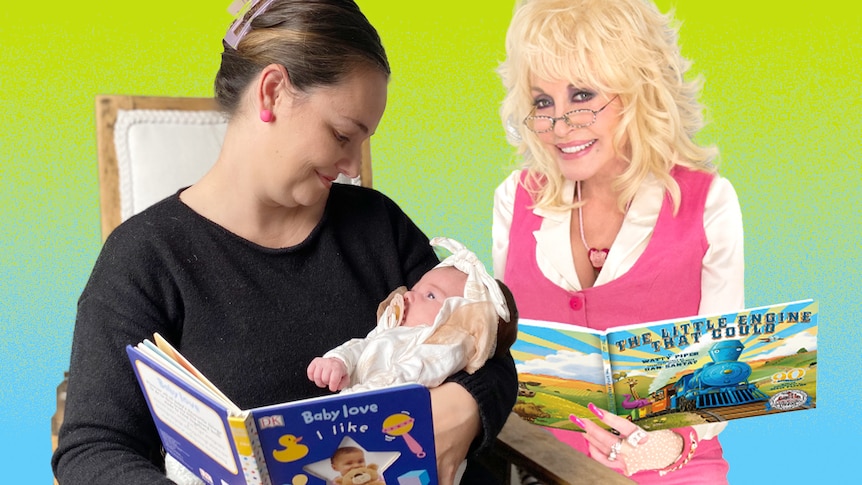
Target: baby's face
<point>425,299</point>
<point>348,461</point>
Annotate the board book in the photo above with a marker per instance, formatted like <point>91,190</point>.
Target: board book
<point>671,373</point>
<point>284,444</point>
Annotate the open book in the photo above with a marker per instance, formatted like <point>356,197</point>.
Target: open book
<point>671,373</point>
<point>290,443</point>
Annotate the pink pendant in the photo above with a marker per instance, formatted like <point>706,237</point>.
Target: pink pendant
<point>598,257</point>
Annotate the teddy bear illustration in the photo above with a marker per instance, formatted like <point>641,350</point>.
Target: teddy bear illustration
<point>363,475</point>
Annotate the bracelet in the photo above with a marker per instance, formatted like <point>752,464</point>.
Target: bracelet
<point>688,449</point>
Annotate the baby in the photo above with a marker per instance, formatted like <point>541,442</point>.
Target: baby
<point>455,317</point>
<point>347,458</point>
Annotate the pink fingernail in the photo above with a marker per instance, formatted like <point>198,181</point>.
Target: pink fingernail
<point>578,421</point>
<point>598,412</point>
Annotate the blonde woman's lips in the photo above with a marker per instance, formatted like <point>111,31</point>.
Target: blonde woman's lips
<point>575,148</point>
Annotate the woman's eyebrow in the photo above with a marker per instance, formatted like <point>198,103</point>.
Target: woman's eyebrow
<point>358,123</point>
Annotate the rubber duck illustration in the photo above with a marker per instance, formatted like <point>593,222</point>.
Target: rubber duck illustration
<point>291,451</point>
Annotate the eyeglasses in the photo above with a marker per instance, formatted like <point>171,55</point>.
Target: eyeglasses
<point>579,118</point>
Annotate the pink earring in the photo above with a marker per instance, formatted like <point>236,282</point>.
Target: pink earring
<point>265,115</point>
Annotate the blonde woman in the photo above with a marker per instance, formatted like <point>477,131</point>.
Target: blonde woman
<point>618,215</point>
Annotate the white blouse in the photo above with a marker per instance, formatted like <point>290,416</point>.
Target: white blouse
<point>722,278</point>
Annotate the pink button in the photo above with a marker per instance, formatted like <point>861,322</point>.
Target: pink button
<point>576,303</point>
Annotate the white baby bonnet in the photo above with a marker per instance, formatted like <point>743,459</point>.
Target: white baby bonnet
<point>480,285</point>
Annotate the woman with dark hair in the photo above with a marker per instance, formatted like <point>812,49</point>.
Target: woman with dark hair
<point>264,263</point>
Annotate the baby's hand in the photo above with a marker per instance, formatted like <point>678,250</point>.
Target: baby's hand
<point>329,372</point>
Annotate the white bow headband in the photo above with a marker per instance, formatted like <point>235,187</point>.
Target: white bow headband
<point>480,285</point>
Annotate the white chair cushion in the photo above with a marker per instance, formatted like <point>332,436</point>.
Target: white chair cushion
<point>160,151</point>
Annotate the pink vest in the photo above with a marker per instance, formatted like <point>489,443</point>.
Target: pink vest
<point>663,283</point>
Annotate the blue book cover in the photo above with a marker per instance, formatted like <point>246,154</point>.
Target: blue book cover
<point>384,436</point>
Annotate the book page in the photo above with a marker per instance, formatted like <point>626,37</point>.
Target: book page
<point>188,416</point>
<point>560,372</point>
<point>174,354</point>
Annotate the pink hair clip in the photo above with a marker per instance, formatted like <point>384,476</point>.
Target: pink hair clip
<point>245,11</point>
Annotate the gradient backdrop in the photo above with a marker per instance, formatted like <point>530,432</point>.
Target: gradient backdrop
<point>783,89</point>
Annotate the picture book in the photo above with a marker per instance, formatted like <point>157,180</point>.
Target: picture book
<point>372,437</point>
<point>671,373</point>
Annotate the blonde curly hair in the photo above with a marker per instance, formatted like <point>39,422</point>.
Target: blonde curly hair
<point>618,47</point>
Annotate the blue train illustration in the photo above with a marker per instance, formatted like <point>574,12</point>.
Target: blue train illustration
<point>722,382</point>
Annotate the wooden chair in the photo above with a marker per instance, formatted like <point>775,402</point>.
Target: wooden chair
<point>149,147</point>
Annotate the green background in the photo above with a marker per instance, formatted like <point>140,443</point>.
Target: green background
<point>782,88</point>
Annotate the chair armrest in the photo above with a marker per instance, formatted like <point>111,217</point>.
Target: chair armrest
<point>538,452</point>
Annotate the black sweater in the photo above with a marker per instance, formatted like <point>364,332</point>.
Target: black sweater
<point>250,318</point>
